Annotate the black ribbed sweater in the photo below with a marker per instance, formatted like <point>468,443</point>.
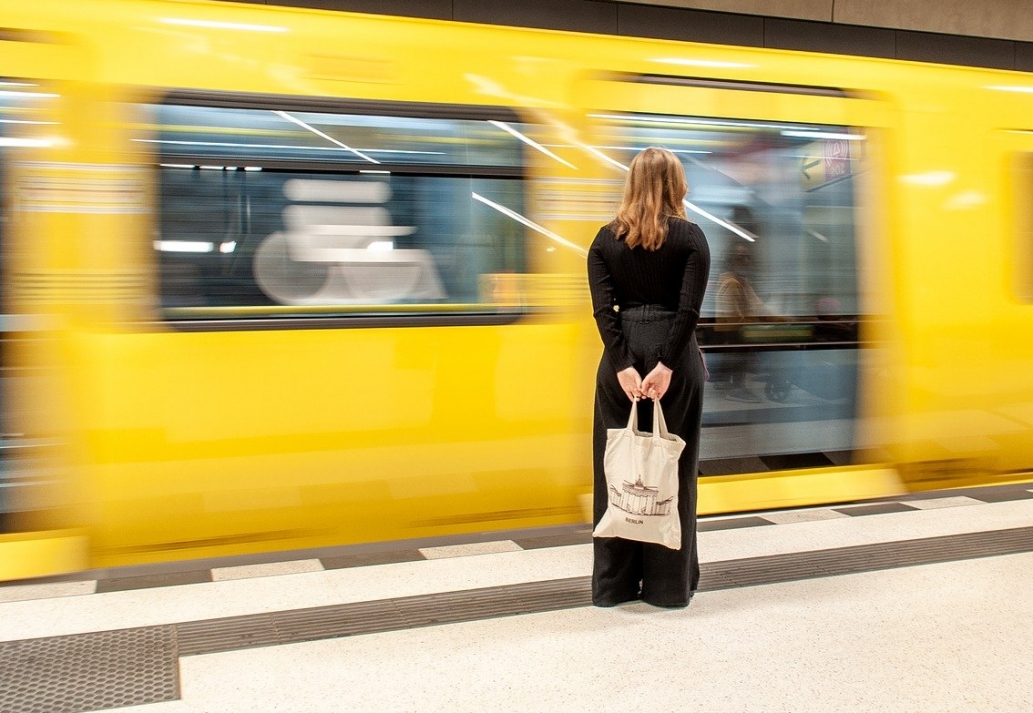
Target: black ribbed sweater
<point>674,277</point>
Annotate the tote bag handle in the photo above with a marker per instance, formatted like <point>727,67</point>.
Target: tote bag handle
<point>659,422</point>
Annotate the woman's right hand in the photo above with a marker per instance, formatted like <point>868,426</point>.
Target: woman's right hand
<point>631,382</point>
<point>657,382</point>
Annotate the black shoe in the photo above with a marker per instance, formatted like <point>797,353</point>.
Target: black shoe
<point>609,602</point>
<point>667,604</point>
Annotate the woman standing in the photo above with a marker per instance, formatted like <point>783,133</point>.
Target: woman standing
<point>647,271</point>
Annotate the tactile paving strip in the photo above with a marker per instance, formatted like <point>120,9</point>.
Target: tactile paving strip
<point>202,637</point>
<point>864,558</point>
<point>89,672</point>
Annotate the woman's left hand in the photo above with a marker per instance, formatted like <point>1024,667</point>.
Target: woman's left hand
<point>657,381</point>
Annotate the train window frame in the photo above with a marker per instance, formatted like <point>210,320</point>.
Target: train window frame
<point>366,315</point>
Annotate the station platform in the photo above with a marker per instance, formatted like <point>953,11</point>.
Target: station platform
<point>918,604</point>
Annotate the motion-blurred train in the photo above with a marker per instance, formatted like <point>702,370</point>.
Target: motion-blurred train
<point>281,279</point>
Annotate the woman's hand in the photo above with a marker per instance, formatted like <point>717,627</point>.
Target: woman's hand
<point>657,381</point>
<point>631,382</point>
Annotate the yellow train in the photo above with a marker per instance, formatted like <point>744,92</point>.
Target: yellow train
<point>279,279</point>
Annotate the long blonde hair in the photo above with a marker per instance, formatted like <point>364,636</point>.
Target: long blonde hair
<point>653,193</point>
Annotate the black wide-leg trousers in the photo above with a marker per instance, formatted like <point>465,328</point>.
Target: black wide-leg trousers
<point>626,569</point>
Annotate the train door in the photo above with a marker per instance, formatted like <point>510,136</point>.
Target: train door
<point>26,113</point>
<point>7,330</point>
<point>36,537</point>
<point>1009,387</point>
<point>780,181</point>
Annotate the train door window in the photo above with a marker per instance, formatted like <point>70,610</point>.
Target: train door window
<point>777,201</point>
<point>1023,277</point>
<point>26,122</point>
<point>274,211</point>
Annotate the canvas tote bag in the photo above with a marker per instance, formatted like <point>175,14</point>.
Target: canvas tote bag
<point>642,482</point>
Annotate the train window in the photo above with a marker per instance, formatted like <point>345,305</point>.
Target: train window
<point>780,321</point>
<point>280,213</point>
<point>781,193</point>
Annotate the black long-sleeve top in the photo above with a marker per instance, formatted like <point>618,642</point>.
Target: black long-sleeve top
<point>674,277</point>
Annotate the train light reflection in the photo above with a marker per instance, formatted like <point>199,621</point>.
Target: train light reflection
<point>189,22</point>
<point>690,121</point>
<point>1006,88</point>
<point>530,224</point>
<point>965,200</point>
<point>14,94</point>
<point>317,132</point>
<point>9,142</point>
<point>184,246</point>
<point>822,135</point>
<point>27,121</point>
<point>530,142</point>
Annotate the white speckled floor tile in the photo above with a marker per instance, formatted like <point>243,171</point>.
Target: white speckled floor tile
<point>953,502</point>
<point>271,569</point>
<point>945,637</point>
<point>475,548</point>
<point>788,517</point>
<point>24,592</point>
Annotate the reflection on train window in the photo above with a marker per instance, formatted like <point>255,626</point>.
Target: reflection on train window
<point>777,202</point>
<point>270,213</point>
